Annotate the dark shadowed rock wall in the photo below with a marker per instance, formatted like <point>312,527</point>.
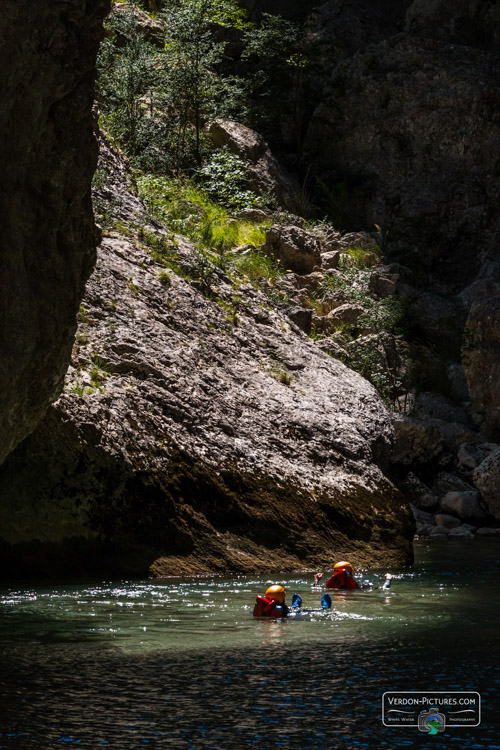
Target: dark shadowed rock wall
<point>408,129</point>
<point>406,134</point>
<point>47,156</point>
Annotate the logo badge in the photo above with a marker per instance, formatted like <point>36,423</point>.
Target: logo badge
<point>431,722</point>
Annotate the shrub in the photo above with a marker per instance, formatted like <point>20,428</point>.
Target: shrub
<point>224,178</point>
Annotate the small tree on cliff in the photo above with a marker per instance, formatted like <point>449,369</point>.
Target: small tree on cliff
<point>193,89</point>
<point>126,77</point>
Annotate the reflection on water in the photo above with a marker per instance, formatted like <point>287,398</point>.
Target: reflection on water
<point>183,664</point>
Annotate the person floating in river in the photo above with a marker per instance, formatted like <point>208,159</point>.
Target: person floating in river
<point>342,578</point>
<point>272,604</point>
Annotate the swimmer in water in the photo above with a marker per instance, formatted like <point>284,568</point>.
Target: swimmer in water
<point>272,604</point>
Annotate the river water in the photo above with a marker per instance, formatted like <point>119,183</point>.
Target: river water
<point>182,663</point>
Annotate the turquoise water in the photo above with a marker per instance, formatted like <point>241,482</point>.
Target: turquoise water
<point>182,663</point>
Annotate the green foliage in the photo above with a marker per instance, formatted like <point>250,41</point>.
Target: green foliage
<point>224,178</point>
<point>374,346</point>
<point>185,208</point>
<point>83,316</point>
<point>156,102</point>
<point>278,370</point>
<point>126,84</point>
<point>256,266</point>
<point>98,371</point>
<point>164,278</point>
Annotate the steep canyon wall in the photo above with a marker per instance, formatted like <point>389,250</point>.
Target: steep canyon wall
<point>48,154</point>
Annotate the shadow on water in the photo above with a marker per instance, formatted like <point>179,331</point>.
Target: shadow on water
<point>182,664</point>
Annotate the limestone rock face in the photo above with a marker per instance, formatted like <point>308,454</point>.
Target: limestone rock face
<point>189,440</point>
<point>482,362</point>
<point>48,154</point>
<point>474,23</point>
<point>408,126</point>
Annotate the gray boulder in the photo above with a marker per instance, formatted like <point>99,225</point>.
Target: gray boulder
<point>343,315</point>
<point>383,285</point>
<point>460,532</point>
<point>470,455</point>
<point>487,480</point>
<point>330,259</point>
<point>439,532</point>
<point>302,317</point>
<point>196,433</point>
<point>415,442</point>
<point>361,240</point>
<point>488,531</point>
<point>465,505</point>
<point>312,282</point>
<point>449,522</point>
<point>446,482</point>
<point>332,347</point>
<point>422,516</point>
<point>424,529</point>
<point>296,249</point>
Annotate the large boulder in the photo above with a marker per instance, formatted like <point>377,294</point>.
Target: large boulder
<point>48,153</point>
<point>266,176</point>
<point>446,482</point>
<point>449,522</point>
<point>465,505</point>
<point>343,315</point>
<point>192,437</point>
<point>415,442</point>
<point>481,357</point>
<point>461,532</point>
<point>296,249</point>
<point>487,480</point>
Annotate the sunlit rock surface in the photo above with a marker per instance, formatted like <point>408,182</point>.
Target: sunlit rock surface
<point>199,430</point>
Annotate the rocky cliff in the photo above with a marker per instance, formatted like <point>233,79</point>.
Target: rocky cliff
<point>48,154</point>
<point>199,430</point>
<point>407,130</point>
